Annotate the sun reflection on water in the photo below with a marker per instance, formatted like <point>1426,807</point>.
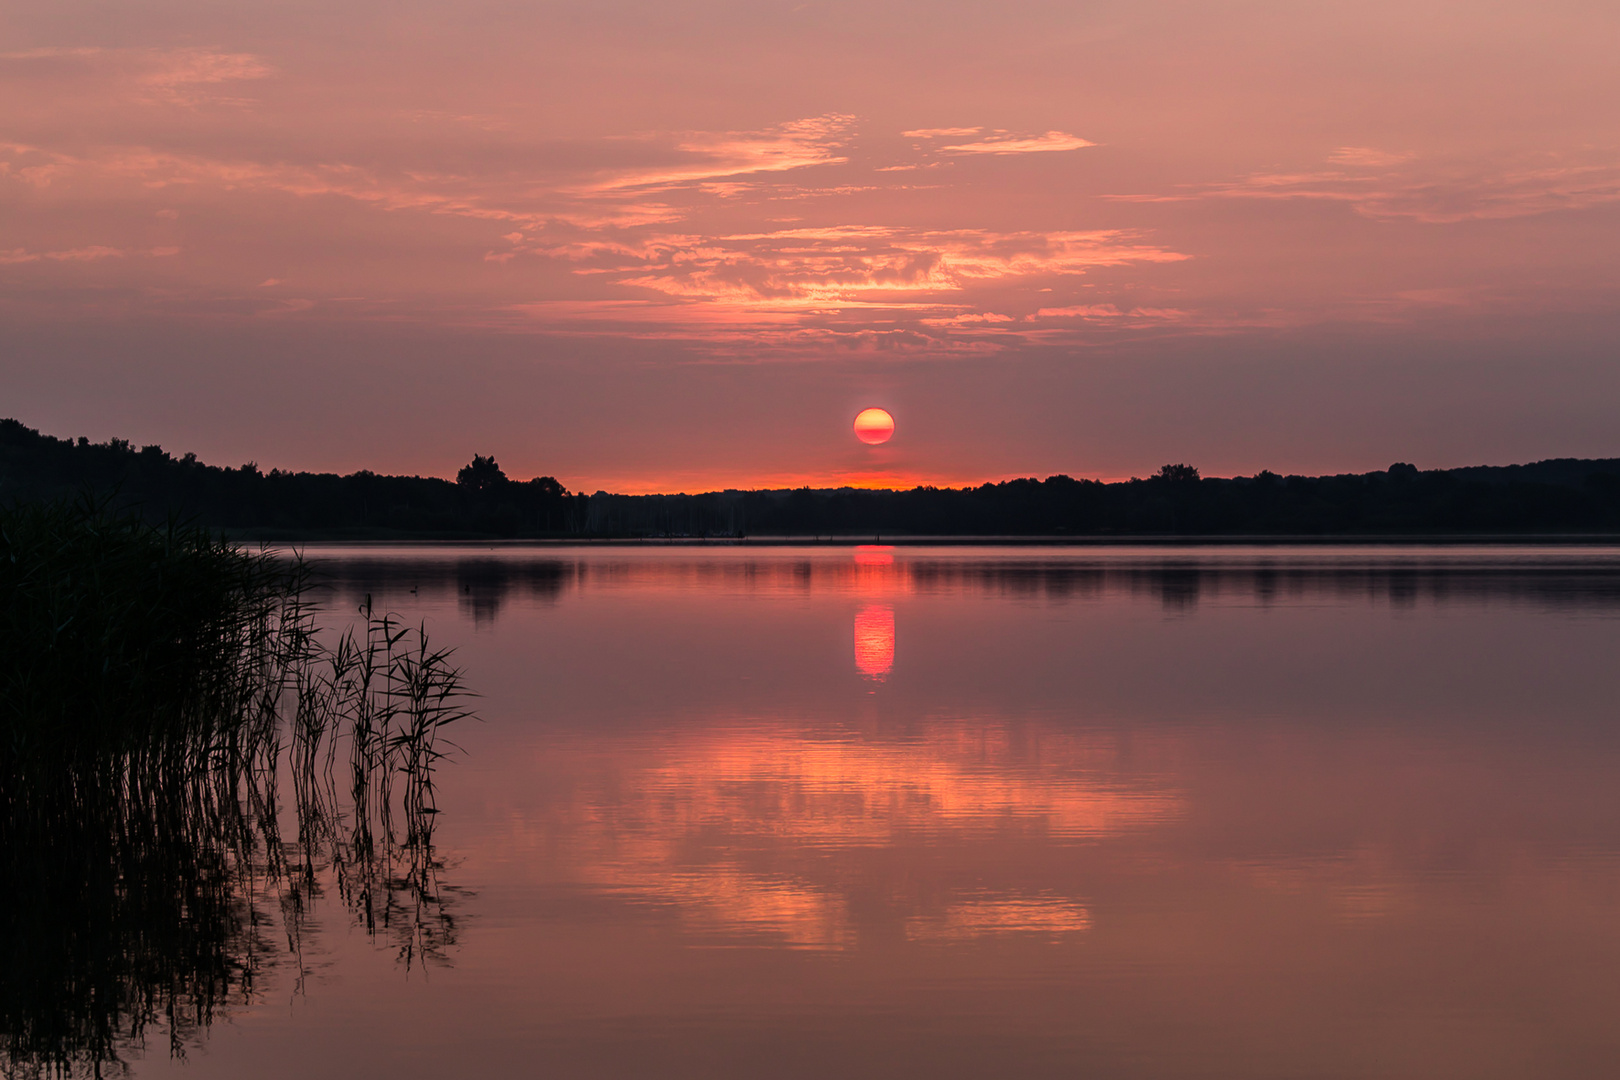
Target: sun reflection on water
<point>874,641</point>
<point>874,555</point>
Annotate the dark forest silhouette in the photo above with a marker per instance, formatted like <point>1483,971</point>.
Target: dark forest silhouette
<point>1558,496</point>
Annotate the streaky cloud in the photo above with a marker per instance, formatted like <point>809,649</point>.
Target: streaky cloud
<point>1004,143</point>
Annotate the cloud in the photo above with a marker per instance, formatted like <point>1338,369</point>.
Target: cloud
<point>180,74</point>
<point>154,170</point>
<point>805,290</point>
<point>186,76</point>
<point>710,156</point>
<point>1405,189</point>
<point>1003,143</point>
<point>53,53</point>
<point>971,318</point>
<point>90,253</point>
<point>812,267</point>
<point>1079,311</point>
<point>1367,156</point>
<point>653,248</point>
<point>1107,312</point>
<point>998,141</point>
<point>940,133</point>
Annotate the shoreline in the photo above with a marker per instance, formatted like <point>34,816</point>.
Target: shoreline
<point>1150,540</point>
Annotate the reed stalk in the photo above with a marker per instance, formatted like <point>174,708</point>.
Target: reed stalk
<point>156,686</point>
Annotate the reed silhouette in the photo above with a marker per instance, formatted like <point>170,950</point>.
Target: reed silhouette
<point>169,704</point>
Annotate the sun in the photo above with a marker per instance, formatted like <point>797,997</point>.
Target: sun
<point>874,426</point>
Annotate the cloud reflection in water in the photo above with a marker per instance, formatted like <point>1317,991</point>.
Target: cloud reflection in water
<point>769,834</point>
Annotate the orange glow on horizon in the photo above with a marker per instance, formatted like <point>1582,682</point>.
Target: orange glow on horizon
<point>860,479</point>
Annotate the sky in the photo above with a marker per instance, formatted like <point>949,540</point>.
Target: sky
<point>646,246</point>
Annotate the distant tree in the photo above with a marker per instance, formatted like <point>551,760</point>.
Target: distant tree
<point>544,486</point>
<point>1177,474</point>
<point>482,474</point>
<point>1402,471</point>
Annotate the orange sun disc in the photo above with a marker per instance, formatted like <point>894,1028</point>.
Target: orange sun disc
<point>874,426</point>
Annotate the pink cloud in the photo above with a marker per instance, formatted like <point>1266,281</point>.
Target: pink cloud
<point>1003,143</point>
<point>940,133</point>
<point>883,285</point>
<point>180,76</point>
<point>987,318</point>
<point>183,76</point>
<point>1394,187</point>
<point>1106,311</point>
<point>1367,156</point>
<point>848,264</point>
<point>713,156</point>
<point>54,53</point>
<point>90,253</point>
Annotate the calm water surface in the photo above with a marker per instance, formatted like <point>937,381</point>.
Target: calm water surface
<point>777,812</point>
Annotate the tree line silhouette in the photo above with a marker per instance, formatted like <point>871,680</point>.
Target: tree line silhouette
<point>1563,495</point>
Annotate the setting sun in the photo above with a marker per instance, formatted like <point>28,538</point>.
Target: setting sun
<point>874,426</point>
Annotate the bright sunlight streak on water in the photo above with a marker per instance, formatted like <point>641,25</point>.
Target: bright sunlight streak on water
<point>874,641</point>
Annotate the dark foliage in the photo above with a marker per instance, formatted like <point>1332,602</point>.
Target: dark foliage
<point>1558,496</point>
<point>151,678</point>
<point>1584,497</point>
<point>120,639</point>
<point>246,500</point>
<point>482,475</point>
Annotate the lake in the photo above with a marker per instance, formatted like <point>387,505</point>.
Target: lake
<point>985,812</point>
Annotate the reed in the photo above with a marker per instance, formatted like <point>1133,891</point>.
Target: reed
<point>158,690</point>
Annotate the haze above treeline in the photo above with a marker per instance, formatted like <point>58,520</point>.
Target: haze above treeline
<point>1557,496</point>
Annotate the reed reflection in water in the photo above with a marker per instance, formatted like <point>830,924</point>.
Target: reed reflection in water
<point>1157,813</point>
<point>152,895</point>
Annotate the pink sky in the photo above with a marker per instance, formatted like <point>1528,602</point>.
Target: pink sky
<point>651,246</point>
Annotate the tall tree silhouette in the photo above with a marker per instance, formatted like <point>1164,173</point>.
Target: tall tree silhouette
<point>1177,474</point>
<point>482,474</point>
